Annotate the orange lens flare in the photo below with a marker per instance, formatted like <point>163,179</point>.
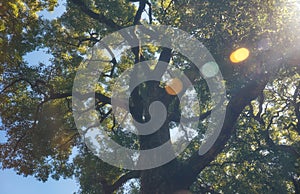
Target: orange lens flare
<point>239,55</point>
<point>174,86</point>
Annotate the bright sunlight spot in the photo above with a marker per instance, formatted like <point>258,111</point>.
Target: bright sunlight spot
<point>239,55</point>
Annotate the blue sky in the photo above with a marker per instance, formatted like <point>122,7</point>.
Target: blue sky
<point>10,182</point>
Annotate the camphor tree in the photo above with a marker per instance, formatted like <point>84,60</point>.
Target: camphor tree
<point>257,150</point>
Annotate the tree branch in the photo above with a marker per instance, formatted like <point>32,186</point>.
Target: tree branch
<point>123,179</point>
<point>196,163</point>
<point>297,107</point>
<point>34,85</point>
<point>139,12</point>
<point>99,17</point>
<point>163,62</point>
<point>150,12</point>
<point>196,119</point>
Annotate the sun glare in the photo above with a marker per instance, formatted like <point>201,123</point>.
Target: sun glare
<point>239,55</point>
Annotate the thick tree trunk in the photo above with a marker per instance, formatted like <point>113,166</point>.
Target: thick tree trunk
<point>164,180</point>
<point>160,179</point>
<point>155,181</point>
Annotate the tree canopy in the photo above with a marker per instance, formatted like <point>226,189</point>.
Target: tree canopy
<point>257,150</point>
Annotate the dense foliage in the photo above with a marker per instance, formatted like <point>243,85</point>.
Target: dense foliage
<point>258,148</point>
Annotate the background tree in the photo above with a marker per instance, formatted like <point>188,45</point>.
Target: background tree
<point>257,150</point>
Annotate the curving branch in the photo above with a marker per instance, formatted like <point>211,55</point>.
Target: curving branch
<point>10,85</point>
<point>34,85</point>
<point>196,163</point>
<point>99,17</point>
<point>123,179</point>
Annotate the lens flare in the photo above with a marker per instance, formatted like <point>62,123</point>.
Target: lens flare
<point>239,55</point>
<point>210,69</point>
<point>174,86</point>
